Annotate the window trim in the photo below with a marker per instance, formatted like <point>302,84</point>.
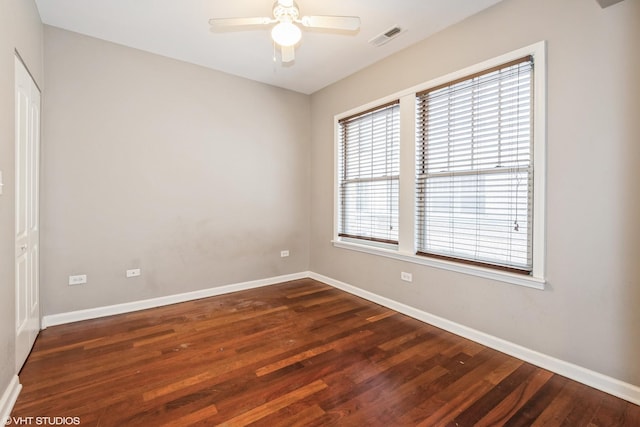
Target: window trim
<point>406,250</point>
<point>338,119</point>
<point>389,110</point>
<point>458,267</point>
<point>424,177</point>
<point>342,163</point>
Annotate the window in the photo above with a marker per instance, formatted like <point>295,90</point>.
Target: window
<point>368,175</point>
<point>474,193</point>
<point>451,173</point>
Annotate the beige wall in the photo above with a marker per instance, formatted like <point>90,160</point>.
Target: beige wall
<point>588,315</point>
<point>21,30</point>
<point>197,177</point>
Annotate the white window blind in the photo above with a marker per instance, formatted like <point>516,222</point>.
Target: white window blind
<point>369,167</point>
<point>475,169</point>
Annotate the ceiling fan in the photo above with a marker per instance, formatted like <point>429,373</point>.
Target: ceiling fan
<point>286,33</point>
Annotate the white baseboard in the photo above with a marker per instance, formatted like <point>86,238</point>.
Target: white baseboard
<point>591,378</point>
<point>9,398</point>
<point>128,307</point>
<point>577,373</point>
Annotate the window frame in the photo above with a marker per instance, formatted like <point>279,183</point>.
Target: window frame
<point>406,248</point>
<point>344,163</point>
<point>465,93</point>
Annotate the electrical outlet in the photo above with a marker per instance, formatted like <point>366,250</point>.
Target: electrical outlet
<point>407,277</point>
<point>77,280</point>
<point>284,254</point>
<point>133,272</point>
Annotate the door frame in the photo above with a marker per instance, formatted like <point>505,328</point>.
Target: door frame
<point>27,135</point>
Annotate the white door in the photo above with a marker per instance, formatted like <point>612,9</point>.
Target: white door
<point>27,221</point>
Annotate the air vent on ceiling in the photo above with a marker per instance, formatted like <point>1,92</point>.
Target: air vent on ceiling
<point>386,36</point>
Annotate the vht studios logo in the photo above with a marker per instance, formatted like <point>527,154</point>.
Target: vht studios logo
<point>42,421</point>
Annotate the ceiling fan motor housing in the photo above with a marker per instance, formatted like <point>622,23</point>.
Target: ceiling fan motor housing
<point>286,11</point>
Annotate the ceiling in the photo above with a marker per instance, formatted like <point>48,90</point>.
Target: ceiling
<point>179,29</point>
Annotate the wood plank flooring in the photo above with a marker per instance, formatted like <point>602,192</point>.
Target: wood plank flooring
<point>299,353</point>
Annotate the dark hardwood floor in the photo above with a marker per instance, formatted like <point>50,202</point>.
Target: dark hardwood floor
<point>299,353</point>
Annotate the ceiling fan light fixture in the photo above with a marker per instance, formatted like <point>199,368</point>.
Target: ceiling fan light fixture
<point>286,34</point>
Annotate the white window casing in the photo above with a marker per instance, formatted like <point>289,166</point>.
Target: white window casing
<point>531,260</point>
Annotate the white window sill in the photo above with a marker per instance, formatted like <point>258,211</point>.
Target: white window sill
<point>487,273</point>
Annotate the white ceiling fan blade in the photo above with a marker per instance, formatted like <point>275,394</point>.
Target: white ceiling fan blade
<point>222,23</point>
<point>288,53</point>
<point>349,23</point>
